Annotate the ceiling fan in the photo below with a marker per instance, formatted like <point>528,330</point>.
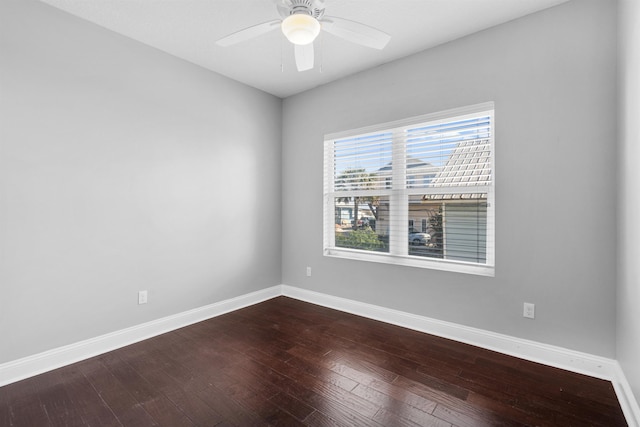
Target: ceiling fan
<point>301,23</point>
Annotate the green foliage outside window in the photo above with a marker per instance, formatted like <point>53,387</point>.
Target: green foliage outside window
<point>364,238</point>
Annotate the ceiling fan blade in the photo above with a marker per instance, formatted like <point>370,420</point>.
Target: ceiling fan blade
<point>304,56</point>
<point>355,32</point>
<point>249,33</point>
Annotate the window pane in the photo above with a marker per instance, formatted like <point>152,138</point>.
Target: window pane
<point>465,231</point>
<point>453,153</point>
<point>456,227</point>
<point>362,163</point>
<point>362,223</point>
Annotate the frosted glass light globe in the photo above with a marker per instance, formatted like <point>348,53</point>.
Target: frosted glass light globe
<point>300,28</point>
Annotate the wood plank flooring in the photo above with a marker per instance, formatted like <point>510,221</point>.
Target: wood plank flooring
<point>288,363</point>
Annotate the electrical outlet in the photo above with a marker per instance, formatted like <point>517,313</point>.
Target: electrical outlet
<point>529,310</point>
<point>308,271</point>
<point>142,297</point>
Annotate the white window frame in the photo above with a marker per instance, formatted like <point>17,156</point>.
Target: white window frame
<point>399,196</point>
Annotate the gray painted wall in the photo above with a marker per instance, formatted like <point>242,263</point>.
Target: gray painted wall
<point>112,157</point>
<point>552,76</point>
<point>628,349</point>
<point>115,166</point>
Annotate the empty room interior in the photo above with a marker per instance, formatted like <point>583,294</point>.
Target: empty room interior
<point>202,233</point>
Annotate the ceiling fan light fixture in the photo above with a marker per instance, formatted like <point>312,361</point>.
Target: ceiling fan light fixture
<point>300,28</point>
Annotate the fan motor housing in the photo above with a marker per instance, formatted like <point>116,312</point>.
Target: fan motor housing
<point>313,8</point>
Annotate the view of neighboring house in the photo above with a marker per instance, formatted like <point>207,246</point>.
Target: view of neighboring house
<point>455,222</point>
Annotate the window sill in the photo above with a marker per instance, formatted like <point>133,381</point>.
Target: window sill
<point>412,261</point>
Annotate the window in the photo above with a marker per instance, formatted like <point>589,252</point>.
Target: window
<point>417,192</point>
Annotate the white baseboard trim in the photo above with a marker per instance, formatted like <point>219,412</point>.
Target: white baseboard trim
<point>627,400</point>
<point>52,359</point>
<point>559,357</point>
<point>570,360</point>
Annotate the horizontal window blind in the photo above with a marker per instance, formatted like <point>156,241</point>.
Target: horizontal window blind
<point>449,154</point>
<point>358,162</point>
<point>416,192</point>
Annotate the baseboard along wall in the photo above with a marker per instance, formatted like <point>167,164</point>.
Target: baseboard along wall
<point>52,359</point>
<point>570,360</point>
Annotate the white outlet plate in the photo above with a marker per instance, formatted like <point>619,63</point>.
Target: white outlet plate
<point>142,297</point>
<point>308,271</point>
<point>529,310</point>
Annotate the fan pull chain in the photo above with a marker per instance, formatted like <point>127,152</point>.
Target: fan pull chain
<point>281,62</point>
<point>321,51</point>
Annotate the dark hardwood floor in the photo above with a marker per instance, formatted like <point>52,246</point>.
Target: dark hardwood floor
<point>286,362</point>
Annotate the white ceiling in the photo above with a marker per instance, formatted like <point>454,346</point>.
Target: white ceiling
<point>189,29</point>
